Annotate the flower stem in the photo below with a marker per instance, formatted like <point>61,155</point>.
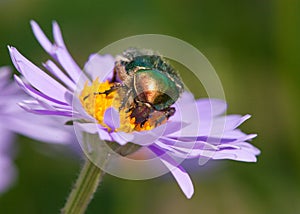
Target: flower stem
<point>84,189</point>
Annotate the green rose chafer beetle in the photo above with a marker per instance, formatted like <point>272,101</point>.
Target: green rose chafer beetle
<point>148,86</point>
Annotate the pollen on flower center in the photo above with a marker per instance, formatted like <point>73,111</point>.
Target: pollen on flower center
<point>96,105</point>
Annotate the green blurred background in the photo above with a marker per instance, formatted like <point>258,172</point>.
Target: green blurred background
<point>254,47</point>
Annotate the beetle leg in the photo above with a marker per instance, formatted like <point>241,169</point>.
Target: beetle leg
<point>158,117</point>
<point>114,78</point>
<point>126,96</point>
<point>107,92</point>
<point>141,112</point>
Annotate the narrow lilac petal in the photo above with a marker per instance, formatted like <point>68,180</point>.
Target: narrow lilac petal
<point>39,104</point>
<point>208,139</point>
<point>64,57</point>
<point>74,101</point>
<point>58,35</point>
<point>145,138</point>
<point>238,155</point>
<point>99,66</point>
<point>44,128</point>
<point>38,78</point>
<point>230,134</point>
<point>244,152</point>
<point>38,95</point>
<point>67,62</point>
<point>55,70</point>
<point>228,146</point>
<point>181,176</point>
<point>246,138</point>
<point>57,50</point>
<point>41,37</point>
<point>104,135</point>
<point>112,118</point>
<point>187,144</point>
<point>30,109</point>
<point>188,152</point>
<point>242,120</point>
<point>228,122</point>
<point>178,152</point>
<point>219,127</point>
<point>231,121</point>
<point>248,147</point>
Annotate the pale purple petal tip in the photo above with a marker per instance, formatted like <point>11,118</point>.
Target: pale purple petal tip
<point>41,37</point>
<point>183,179</point>
<point>37,77</point>
<point>58,35</point>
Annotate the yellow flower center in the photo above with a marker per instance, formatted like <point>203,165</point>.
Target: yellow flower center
<point>96,104</point>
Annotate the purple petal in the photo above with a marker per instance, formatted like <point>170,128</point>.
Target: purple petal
<point>145,138</point>
<point>64,57</point>
<point>248,147</point>
<point>112,118</point>
<point>181,176</point>
<point>245,152</point>
<point>45,128</point>
<point>41,37</point>
<point>237,155</point>
<point>37,78</point>
<point>77,106</point>
<point>36,109</point>
<point>208,108</point>
<point>186,109</point>
<point>184,152</point>
<point>233,121</point>
<point>59,41</point>
<point>99,66</point>
<point>38,95</point>
<point>54,69</point>
<point>190,145</point>
<point>104,135</point>
<point>58,50</point>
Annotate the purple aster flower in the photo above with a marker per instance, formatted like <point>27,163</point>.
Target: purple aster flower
<point>196,130</point>
<point>14,120</point>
